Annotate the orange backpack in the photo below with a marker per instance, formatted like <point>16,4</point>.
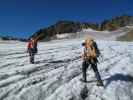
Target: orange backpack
<point>90,51</point>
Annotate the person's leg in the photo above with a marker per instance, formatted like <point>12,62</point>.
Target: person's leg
<point>31,54</point>
<point>84,69</point>
<point>32,58</point>
<point>97,75</point>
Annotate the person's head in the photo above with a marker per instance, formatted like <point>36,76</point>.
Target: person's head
<point>32,39</point>
<point>83,44</point>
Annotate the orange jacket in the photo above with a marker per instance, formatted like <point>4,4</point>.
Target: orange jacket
<point>30,45</point>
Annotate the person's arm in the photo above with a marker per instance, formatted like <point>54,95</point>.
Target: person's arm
<point>82,56</point>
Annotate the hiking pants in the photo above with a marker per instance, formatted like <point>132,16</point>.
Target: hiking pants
<point>31,55</point>
<point>85,66</point>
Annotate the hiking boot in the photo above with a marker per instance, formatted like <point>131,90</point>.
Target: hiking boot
<point>31,62</point>
<point>83,80</point>
<point>100,83</point>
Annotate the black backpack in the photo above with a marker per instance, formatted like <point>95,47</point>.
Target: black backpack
<point>35,49</point>
<point>97,49</point>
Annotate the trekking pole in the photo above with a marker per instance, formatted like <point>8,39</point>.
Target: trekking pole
<point>101,58</point>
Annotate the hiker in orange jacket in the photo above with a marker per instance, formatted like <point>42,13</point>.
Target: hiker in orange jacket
<point>32,49</point>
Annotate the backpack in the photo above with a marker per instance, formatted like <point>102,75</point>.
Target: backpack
<point>95,52</point>
<point>96,49</point>
<point>35,47</point>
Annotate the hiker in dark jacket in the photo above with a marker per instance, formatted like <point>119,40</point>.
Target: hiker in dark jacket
<point>89,57</point>
<point>32,49</point>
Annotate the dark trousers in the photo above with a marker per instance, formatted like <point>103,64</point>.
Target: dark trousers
<point>85,66</point>
<point>31,55</point>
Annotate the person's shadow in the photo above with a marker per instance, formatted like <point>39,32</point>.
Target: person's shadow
<point>121,77</point>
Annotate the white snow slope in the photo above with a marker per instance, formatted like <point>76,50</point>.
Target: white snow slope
<point>106,35</point>
<point>99,35</point>
<point>57,72</point>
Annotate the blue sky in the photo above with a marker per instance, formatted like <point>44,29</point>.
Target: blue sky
<point>21,18</point>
